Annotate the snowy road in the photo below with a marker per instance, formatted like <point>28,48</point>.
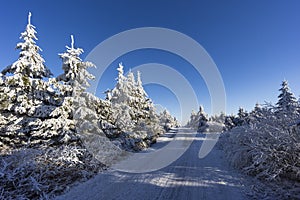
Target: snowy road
<point>187,178</point>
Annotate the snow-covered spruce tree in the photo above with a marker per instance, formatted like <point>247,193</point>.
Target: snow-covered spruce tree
<point>146,118</point>
<point>152,123</point>
<point>120,93</point>
<point>287,103</point>
<point>242,117</point>
<point>30,62</point>
<point>74,83</point>
<point>142,102</point>
<point>138,100</point>
<point>229,122</point>
<point>198,120</point>
<point>79,107</point>
<point>167,120</point>
<point>78,103</point>
<point>128,101</point>
<point>134,101</point>
<point>193,122</point>
<point>259,113</point>
<point>203,119</point>
<point>28,99</point>
<point>286,110</point>
<point>135,121</point>
<point>120,98</point>
<point>219,118</point>
<point>75,70</point>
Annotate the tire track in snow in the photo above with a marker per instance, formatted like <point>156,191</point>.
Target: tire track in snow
<point>187,178</point>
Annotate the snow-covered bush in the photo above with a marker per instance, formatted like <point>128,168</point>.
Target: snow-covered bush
<point>268,147</point>
<point>44,173</point>
<point>264,150</point>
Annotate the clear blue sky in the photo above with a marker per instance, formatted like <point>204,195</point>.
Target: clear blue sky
<point>255,44</point>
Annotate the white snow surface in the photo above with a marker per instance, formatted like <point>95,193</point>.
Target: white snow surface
<point>187,178</point>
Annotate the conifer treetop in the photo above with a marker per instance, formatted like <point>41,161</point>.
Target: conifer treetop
<point>75,70</point>
<point>30,63</point>
<point>286,99</point>
<point>139,80</point>
<point>29,18</point>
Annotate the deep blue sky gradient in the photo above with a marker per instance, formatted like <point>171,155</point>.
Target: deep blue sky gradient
<point>255,44</point>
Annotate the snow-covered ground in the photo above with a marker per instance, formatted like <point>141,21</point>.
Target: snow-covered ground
<point>187,178</point>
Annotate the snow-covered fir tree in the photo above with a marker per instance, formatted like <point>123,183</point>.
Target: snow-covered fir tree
<point>120,93</point>
<point>287,103</point>
<point>75,70</point>
<point>167,120</point>
<point>30,62</point>
<point>133,112</point>
<point>145,115</point>
<point>229,122</point>
<point>258,113</point>
<point>198,120</point>
<point>120,98</point>
<point>78,105</point>
<point>129,101</point>
<point>242,113</point>
<point>242,117</point>
<point>142,100</point>
<point>27,99</point>
<point>133,100</point>
<point>192,123</point>
<point>85,113</point>
<point>220,118</point>
<point>152,122</point>
<point>203,119</point>
<point>74,115</point>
